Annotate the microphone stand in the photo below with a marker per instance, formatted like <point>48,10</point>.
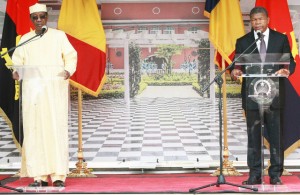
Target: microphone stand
<point>218,79</point>
<point>25,42</point>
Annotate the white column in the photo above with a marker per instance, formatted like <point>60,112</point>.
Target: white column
<point>126,72</point>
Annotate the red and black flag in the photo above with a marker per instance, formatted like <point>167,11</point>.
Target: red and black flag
<point>280,20</point>
<point>16,23</point>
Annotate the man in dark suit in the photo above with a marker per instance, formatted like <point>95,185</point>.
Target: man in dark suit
<point>268,113</point>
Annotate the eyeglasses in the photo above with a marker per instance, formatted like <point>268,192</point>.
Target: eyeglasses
<point>42,17</point>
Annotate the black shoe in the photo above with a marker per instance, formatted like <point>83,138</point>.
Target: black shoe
<point>38,184</point>
<point>59,183</point>
<point>275,181</point>
<point>44,183</point>
<point>252,180</point>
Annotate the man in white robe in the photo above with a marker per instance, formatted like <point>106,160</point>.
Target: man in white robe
<point>46,63</point>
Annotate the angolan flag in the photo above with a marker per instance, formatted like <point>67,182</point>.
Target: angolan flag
<point>280,20</point>
<point>16,23</point>
<point>81,21</point>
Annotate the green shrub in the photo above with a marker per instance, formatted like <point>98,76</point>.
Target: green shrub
<point>169,79</point>
<point>108,94</point>
<point>232,90</point>
<point>143,86</point>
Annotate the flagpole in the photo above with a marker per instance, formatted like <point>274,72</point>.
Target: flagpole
<point>228,168</point>
<point>81,166</point>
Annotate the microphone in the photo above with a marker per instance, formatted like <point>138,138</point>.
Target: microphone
<point>259,34</point>
<point>44,29</point>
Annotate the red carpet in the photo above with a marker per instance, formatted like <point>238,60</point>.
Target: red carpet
<point>160,183</point>
<point>3,177</point>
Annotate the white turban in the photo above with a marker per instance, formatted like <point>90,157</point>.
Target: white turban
<point>37,8</point>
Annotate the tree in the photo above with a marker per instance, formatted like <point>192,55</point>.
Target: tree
<point>204,64</point>
<point>167,51</point>
<point>134,69</point>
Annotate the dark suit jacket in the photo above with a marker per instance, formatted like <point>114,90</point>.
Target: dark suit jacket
<point>278,43</point>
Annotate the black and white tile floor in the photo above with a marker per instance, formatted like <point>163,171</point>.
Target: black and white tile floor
<point>150,130</point>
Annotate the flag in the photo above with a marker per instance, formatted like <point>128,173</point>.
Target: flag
<point>80,20</point>
<point>17,22</point>
<point>225,27</point>
<point>280,21</point>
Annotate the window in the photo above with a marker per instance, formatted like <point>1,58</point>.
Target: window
<point>155,30</point>
<point>168,30</point>
<point>194,29</point>
<point>142,29</point>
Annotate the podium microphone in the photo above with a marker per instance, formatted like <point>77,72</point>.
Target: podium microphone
<point>259,34</point>
<point>44,29</point>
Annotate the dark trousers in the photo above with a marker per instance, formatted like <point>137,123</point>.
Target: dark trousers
<point>273,128</point>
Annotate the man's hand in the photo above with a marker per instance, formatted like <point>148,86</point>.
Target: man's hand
<point>15,75</point>
<point>283,72</point>
<point>66,75</point>
<point>235,73</point>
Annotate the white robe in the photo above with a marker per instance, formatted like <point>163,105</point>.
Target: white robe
<point>45,102</point>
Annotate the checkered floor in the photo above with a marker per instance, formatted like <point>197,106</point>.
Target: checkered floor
<point>149,130</point>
